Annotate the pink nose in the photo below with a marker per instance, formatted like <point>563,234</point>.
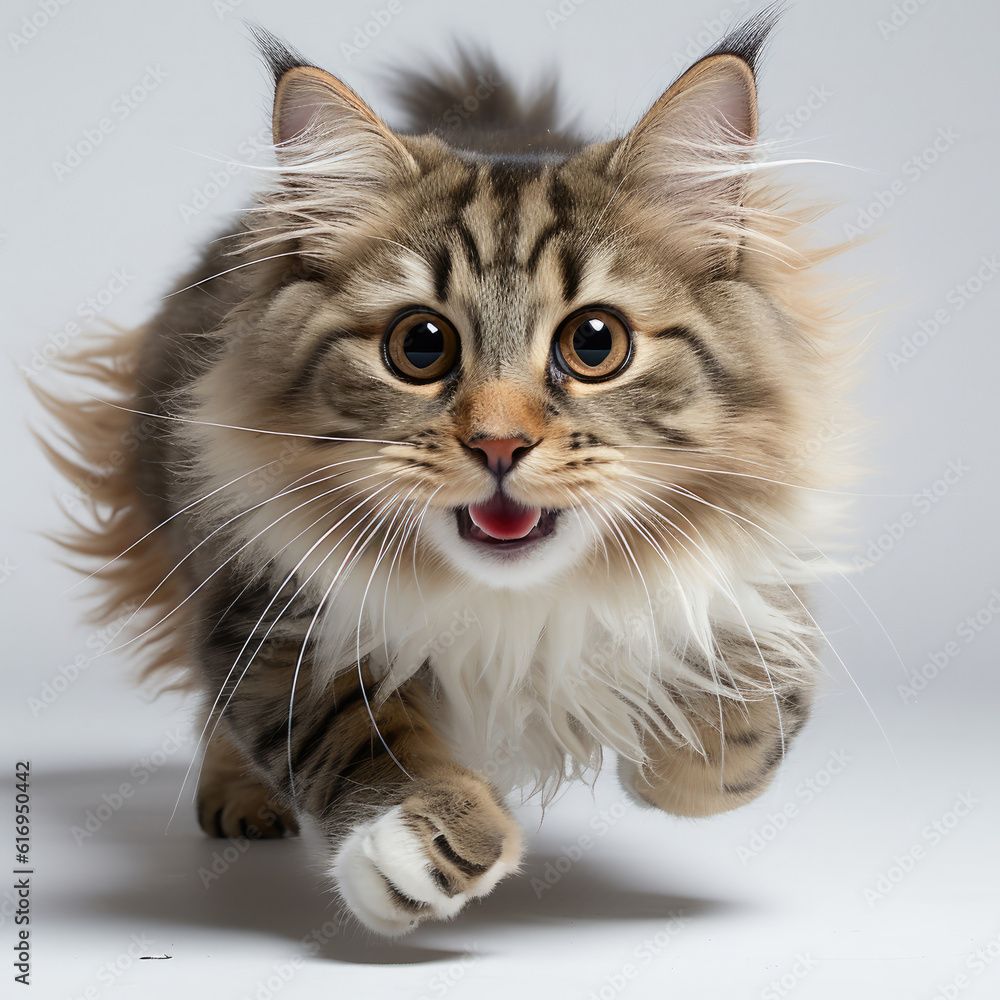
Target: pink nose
<point>501,453</point>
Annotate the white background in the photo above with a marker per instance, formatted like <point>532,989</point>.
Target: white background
<point>783,897</point>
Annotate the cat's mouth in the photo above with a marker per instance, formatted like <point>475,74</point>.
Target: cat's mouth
<point>504,524</point>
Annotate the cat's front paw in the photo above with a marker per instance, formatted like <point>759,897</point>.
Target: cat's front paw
<point>444,844</point>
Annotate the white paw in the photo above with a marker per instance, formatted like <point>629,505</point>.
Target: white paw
<point>395,872</point>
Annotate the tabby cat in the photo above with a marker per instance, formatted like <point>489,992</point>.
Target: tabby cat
<point>477,449</point>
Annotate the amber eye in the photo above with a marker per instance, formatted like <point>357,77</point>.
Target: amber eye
<point>593,345</point>
<point>420,346</point>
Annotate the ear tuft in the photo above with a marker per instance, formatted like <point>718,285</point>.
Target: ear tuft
<point>279,56</point>
<point>689,159</point>
<point>748,40</point>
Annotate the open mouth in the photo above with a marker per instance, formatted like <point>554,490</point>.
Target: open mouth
<point>504,524</point>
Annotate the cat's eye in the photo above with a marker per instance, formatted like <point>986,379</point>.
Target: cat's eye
<point>593,344</point>
<point>420,346</point>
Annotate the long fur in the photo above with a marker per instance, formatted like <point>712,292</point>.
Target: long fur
<point>297,502</point>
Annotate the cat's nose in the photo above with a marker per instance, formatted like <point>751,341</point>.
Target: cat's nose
<point>501,453</point>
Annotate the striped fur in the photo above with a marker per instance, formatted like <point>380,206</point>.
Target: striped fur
<point>361,663</point>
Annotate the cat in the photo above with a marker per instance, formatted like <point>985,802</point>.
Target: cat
<point>477,449</point>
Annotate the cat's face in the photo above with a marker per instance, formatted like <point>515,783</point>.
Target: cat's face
<point>558,363</point>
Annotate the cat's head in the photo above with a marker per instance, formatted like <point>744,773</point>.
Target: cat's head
<point>554,362</point>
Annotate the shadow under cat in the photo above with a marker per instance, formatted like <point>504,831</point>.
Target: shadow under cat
<point>154,874</point>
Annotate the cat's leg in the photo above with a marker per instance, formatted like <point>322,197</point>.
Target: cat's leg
<point>742,744</point>
<point>233,802</point>
<point>412,835</point>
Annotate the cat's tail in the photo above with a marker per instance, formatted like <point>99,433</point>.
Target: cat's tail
<point>96,445</point>
<point>475,94</point>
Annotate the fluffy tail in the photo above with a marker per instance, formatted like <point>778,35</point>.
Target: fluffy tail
<point>476,96</point>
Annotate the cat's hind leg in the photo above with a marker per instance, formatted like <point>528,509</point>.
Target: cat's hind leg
<point>742,744</point>
<point>231,802</point>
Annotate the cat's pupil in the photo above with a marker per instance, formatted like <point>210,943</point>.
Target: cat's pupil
<point>423,345</point>
<point>592,342</point>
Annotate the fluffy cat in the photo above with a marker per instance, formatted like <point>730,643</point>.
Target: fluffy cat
<point>476,450</point>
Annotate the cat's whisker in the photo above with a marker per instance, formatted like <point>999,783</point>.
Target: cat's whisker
<point>386,542</point>
<point>626,548</point>
<point>604,211</point>
<point>366,497</point>
<point>795,595</point>
<point>212,710</point>
<point>725,587</point>
<point>595,506</point>
<point>252,430</point>
<point>202,499</point>
<point>229,270</point>
<point>748,475</point>
<point>654,631</point>
<point>737,693</point>
<point>262,570</point>
<point>416,540</point>
<point>412,519</point>
<point>214,532</point>
<point>315,618</point>
<point>712,452</point>
<point>301,657</point>
<point>713,652</point>
<point>740,518</point>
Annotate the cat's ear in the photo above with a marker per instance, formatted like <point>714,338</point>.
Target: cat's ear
<point>318,118</point>
<point>711,109</point>
<point>688,161</point>
<point>316,115</point>
<point>336,159</point>
<point>699,136</point>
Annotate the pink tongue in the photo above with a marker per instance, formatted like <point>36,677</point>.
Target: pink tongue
<point>504,519</point>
